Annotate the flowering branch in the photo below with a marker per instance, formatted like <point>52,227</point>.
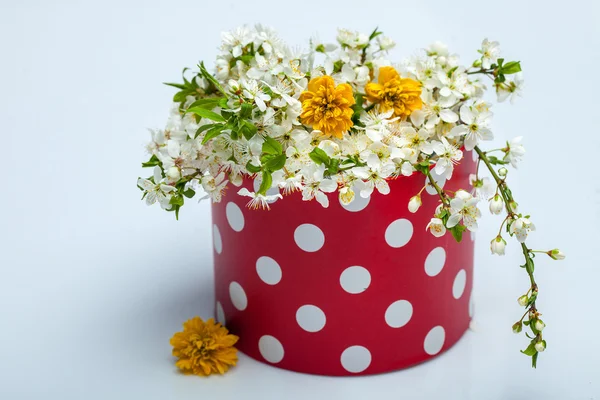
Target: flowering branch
<point>517,225</point>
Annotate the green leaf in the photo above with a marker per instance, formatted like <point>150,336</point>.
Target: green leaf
<point>275,163</point>
<point>176,200</point>
<point>211,79</point>
<point>246,110</point>
<point>500,62</point>
<point>176,85</point>
<point>203,128</point>
<point>334,166</point>
<point>189,193</point>
<point>457,232</point>
<point>248,129</point>
<point>337,66</point>
<point>252,168</point>
<point>534,360</point>
<point>358,109</point>
<point>152,162</point>
<point>319,156</point>
<point>530,350</point>
<point>496,161</point>
<point>267,181</point>
<point>529,266</point>
<point>208,103</point>
<point>246,59</point>
<point>374,34</point>
<point>212,133</point>
<point>204,113</point>
<point>511,67</point>
<point>500,78</point>
<point>180,97</point>
<point>271,146</point>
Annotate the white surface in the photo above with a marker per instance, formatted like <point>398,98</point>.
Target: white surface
<point>93,283</point>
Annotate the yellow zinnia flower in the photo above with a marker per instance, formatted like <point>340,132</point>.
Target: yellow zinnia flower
<point>403,95</point>
<point>326,107</point>
<point>204,348</point>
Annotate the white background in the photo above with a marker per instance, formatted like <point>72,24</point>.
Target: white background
<point>93,284</point>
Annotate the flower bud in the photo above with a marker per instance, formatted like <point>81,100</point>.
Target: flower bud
<point>523,300</point>
<point>540,346</point>
<point>514,206</point>
<point>496,204</point>
<point>173,174</point>
<point>502,172</point>
<point>517,327</point>
<point>497,245</point>
<point>414,204</point>
<point>539,325</point>
<point>556,254</point>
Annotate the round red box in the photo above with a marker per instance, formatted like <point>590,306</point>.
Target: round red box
<point>337,292</point>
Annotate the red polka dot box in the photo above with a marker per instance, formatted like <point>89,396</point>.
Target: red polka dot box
<point>344,290</point>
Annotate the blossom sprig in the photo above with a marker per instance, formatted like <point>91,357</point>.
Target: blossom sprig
<point>342,117</point>
<point>519,226</point>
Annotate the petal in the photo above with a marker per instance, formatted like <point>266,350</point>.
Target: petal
<point>466,114</point>
<point>322,199</point>
<point>328,185</point>
<point>417,117</point>
<point>453,220</point>
<point>383,187</point>
<point>470,142</point>
<point>151,198</point>
<point>458,131</point>
<point>448,115</point>
<point>146,184</point>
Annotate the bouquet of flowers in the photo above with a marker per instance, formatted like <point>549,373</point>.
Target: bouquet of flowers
<point>343,117</point>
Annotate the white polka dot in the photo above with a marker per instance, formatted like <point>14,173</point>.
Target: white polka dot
<point>235,217</point>
<point>435,261</point>
<point>271,349</point>
<point>440,180</point>
<point>268,270</point>
<point>309,237</point>
<point>356,359</point>
<point>398,313</point>
<point>358,203</point>
<point>471,306</point>
<point>220,314</point>
<point>217,239</point>
<point>434,341</point>
<point>398,233</point>
<point>238,296</point>
<point>355,279</point>
<point>460,281</point>
<point>310,318</point>
<point>271,192</point>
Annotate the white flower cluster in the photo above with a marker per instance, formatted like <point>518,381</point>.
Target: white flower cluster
<point>219,126</point>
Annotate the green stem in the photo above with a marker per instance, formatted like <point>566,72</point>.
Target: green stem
<point>507,197</point>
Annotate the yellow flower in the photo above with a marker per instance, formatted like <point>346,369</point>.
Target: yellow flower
<point>327,107</point>
<point>403,95</point>
<point>204,348</point>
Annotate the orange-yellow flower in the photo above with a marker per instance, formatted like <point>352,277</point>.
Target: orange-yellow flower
<point>204,348</point>
<point>327,107</point>
<point>403,95</point>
